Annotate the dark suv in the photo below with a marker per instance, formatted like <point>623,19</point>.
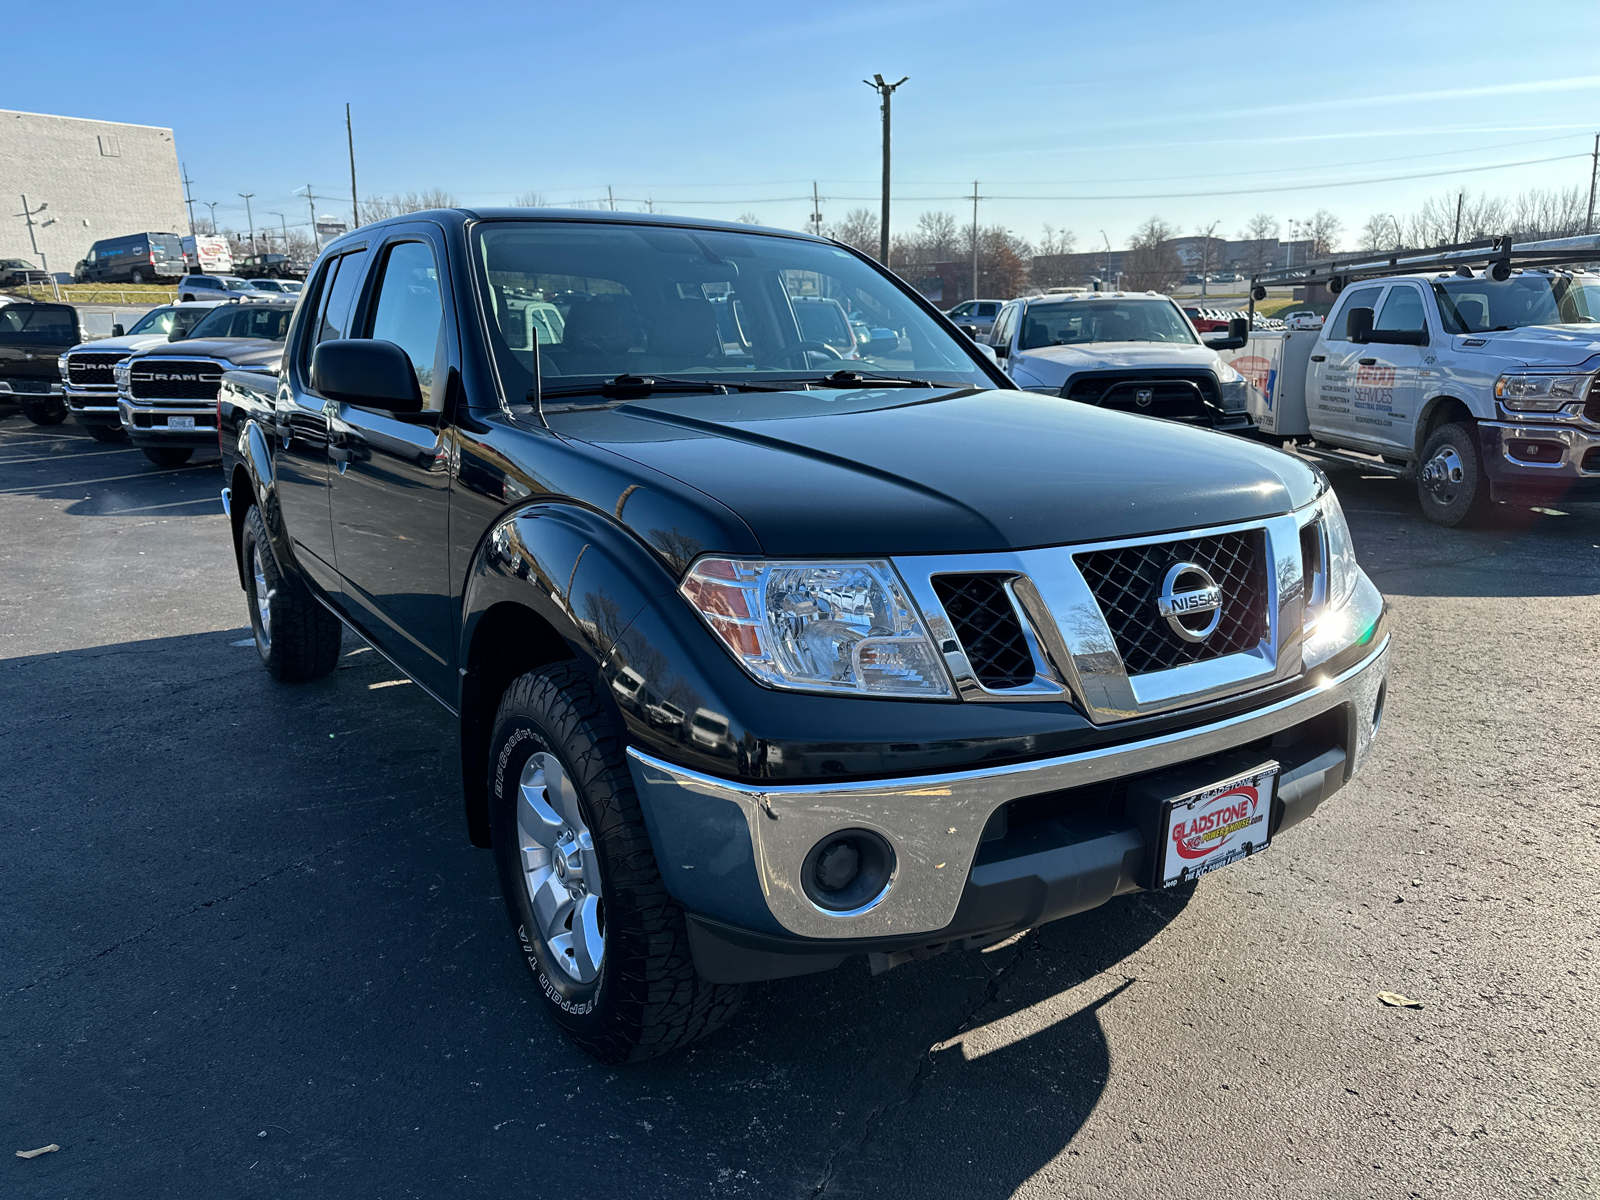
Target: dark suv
<point>764,658</point>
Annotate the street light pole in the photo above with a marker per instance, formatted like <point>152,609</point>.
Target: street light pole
<point>245,196</point>
<point>974,239</point>
<point>350,136</point>
<point>28,215</point>
<point>284,222</point>
<point>1594,171</point>
<point>212,205</point>
<point>886,90</point>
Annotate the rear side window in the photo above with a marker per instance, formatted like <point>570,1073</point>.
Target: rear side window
<point>408,310</point>
<point>1333,330</point>
<point>344,281</point>
<point>1402,309</point>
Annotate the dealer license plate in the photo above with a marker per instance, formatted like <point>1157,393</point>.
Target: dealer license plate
<point>180,422</point>
<point>1216,825</point>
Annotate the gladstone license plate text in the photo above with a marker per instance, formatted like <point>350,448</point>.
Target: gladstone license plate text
<point>1216,826</point>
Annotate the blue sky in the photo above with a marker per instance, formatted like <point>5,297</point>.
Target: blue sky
<point>1121,111</point>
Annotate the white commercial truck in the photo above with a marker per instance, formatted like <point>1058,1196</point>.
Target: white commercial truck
<point>1470,368</point>
<point>210,252</point>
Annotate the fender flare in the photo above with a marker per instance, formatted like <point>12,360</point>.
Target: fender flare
<point>1425,412</point>
<point>253,456</point>
<point>580,576</point>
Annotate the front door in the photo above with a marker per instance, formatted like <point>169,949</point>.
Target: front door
<point>1389,378</point>
<point>302,424</point>
<point>1330,392</point>
<point>390,482</point>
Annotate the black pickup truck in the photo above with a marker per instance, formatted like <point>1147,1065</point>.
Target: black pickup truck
<point>33,337</point>
<point>767,653</point>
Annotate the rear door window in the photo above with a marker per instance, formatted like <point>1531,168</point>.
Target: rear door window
<point>333,322</point>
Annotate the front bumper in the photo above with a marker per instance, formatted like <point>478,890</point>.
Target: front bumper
<point>732,853</point>
<point>147,423</point>
<point>93,406</point>
<point>1552,460</point>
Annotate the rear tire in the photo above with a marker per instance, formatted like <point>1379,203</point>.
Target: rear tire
<point>168,456</point>
<point>1451,483</point>
<point>610,954</point>
<point>107,433</point>
<point>295,636</point>
<point>51,412</point>
<point>136,278</point>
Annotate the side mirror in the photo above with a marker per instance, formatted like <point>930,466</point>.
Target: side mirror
<point>883,341</point>
<point>177,335</point>
<point>118,331</point>
<point>972,331</point>
<point>1238,335</point>
<point>366,373</point>
<point>1358,326</point>
<point>1002,349</point>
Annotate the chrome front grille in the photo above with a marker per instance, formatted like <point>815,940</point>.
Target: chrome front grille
<point>174,379</point>
<point>1127,581</point>
<point>93,369</point>
<point>1086,623</point>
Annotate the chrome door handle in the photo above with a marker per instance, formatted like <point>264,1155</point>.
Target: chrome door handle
<point>340,455</point>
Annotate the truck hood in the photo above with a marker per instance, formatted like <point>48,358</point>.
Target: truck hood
<point>142,341</point>
<point>250,353</point>
<point>1117,355</point>
<point>918,471</point>
<point>1540,345</point>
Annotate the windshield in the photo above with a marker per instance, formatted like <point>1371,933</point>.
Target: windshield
<point>1482,305</point>
<point>1083,321</point>
<point>157,320</point>
<point>595,301</point>
<point>37,323</point>
<point>245,321</point>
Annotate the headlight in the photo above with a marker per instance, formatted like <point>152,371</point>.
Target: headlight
<point>1540,393</point>
<point>1226,374</point>
<point>843,627</point>
<point>1329,558</point>
<point>61,366</point>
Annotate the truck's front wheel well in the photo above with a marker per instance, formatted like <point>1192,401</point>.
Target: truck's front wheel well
<point>241,496</point>
<point>1442,411</point>
<point>507,642</point>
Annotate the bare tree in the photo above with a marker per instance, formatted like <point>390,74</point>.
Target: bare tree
<point>1381,232</point>
<point>379,208</point>
<point>1325,229</point>
<point>1053,264</point>
<point>748,218</point>
<point>530,200</point>
<point>1152,262</point>
<point>1261,231</point>
<point>859,229</point>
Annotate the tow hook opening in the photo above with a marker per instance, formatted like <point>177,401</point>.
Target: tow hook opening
<point>848,872</point>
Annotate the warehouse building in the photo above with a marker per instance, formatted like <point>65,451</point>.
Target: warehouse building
<point>94,179</point>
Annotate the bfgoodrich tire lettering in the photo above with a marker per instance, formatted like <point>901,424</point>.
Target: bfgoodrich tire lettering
<point>296,637</point>
<point>646,998</point>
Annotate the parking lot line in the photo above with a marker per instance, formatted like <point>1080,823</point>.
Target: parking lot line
<point>60,457</point>
<point>34,487</point>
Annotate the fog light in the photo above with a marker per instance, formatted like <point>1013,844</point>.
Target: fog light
<point>1539,452</point>
<point>848,872</point>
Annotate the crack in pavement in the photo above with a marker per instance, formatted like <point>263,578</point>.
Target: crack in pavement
<point>913,1087</point>
<point>64,972</point>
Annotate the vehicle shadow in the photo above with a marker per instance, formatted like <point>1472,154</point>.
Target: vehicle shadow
<point>1516,551</point>
<point>99,479</point>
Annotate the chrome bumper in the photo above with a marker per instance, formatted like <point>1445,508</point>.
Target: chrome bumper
<point>162,409</point>
<point>1500,440</point>
<point>88,400</point>
<point>935,822</point>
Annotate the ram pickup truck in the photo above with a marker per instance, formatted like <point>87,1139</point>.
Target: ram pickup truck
<point>33,336</point>
<point>1137,352</point>
<point>167,392</point>
<point>88,369</point>
<point>763,658</point>
<point>1481,388</point>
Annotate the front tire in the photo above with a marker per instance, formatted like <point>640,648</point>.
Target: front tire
<point>1451,483</point>
<point>608,947</point>
<point>107,433</point>
<point>295,636</point>
<point>136,278</point>
<point>51,412</point>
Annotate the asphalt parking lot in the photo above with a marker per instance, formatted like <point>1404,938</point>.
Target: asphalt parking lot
<point>247,950</point>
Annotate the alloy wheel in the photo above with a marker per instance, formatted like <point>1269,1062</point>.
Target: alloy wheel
<point>259,595</point>
<point>560,868</point>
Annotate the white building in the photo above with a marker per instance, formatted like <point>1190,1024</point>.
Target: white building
<point>95,179</point>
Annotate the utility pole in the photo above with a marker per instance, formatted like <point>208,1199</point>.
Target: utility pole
<point>188,185</point>
<point>611,201</point>
<point>311,206</point>
<point>282,221</point>
<point>974,239</point>
<point>355,207</point>
<point>1105,263</point>
<point>249,217</point>
<point>28,215</point>
<point>1594,170</point>
<point>886,90</point>
<point>1455,238</point>
<point>816,210</point>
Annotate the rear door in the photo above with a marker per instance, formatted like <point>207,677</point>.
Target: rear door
<point>390,480</point>
<point>1330,391</point>
<point>303,417</point>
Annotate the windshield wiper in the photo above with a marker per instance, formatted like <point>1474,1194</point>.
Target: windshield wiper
<point>850,379</point>
<point>635,387</point>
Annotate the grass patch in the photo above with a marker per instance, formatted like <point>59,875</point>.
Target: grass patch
<point>99,293</point>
